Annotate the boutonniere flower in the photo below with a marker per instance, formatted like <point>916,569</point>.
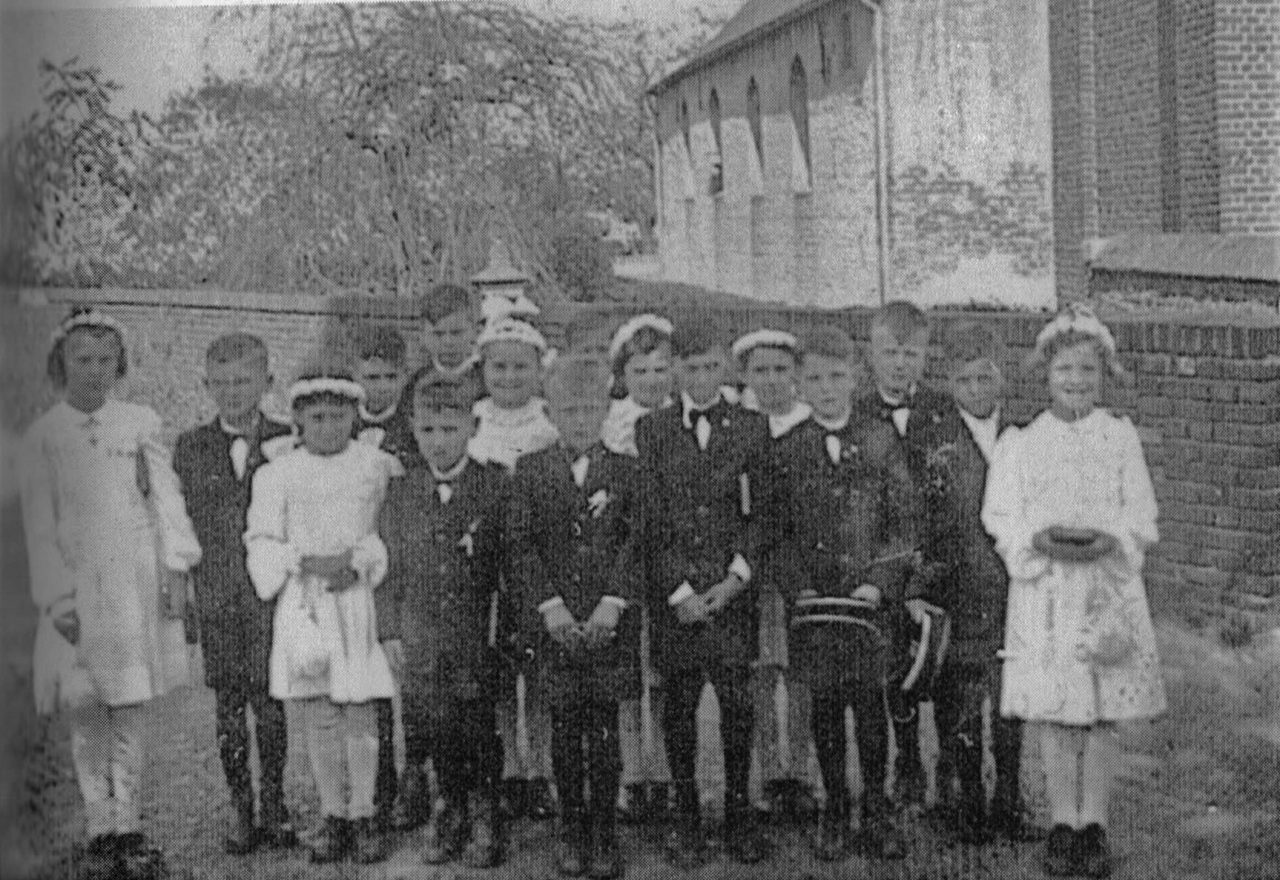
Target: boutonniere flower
<point>938,463</point>
<point>597,502</point>
<point>468,540</point>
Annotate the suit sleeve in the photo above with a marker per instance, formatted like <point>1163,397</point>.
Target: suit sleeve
<point>651,539</point>
<point>387,599</point>
<point>756,538</point>
<point>899,516</point>
<point>625,577</point>
<point>526,543</point>
<point>785,556</point>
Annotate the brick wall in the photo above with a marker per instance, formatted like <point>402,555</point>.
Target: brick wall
<point>1247,52</point>
<point>1205,394</point>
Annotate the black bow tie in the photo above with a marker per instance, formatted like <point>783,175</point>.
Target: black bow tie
<point>707,413</point>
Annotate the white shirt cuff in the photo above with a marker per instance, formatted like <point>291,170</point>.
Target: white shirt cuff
<point>550,605</point>
<point>684,591</point>
<point>621,604</point>
<point>740,568</point>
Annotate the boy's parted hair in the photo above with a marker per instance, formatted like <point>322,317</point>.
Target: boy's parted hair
<point>231,348</point>
<point>380,343</point>
<point>576,376</point>
<point>828,341</point>
<point>697,334</point>
<point>901,318</point>
<point>443,300</point>
<point>438,392</point>
<point>56,363</point>
<point>968,341</point>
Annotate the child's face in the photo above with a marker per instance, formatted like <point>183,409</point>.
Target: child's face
<point>511,373</point>
<point>578,419</point>
<point>326,426</point>
<point>898,364</point>
<point>976,386</point>
<point>91,360</point>
<point>453,339</point>
<point>701,375</point>
<point>771,374</point>
<point>237,387</point>
<point>648,377</point>
<point>1075,380</point>
<point>828,383</point>
<point>381,381</point>
<point>442,435</point>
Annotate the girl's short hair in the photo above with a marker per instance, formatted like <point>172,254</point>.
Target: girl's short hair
<point>90,322</point>
<point>645,341</point>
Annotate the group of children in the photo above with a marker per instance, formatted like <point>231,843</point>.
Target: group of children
<point>547,558</point>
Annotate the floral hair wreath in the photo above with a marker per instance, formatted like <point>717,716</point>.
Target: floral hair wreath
<point>82,318</point>
<point>764,338</point>
<point>1081,320</point>
<point>338,385</point>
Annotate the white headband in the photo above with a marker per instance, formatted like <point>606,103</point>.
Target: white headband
<point>496,306</point>
<point>326,385</point>
<point>90,318</point>
<point>632,326</point>
<point>511,330</point>
<point>743,345</point>
<point>1076,318</point>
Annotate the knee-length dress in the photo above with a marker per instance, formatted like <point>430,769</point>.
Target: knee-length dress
<point>324,644</point>
<point>1079,645</point>
<point>102,510</point>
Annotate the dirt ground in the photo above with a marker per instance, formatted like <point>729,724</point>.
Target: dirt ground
<point>1198,794</point>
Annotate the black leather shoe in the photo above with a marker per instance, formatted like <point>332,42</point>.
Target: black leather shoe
<point>882,837</point>
<point>606,861</point>
<point>369,842</point>
<point>413,800</point>
<point>571,850</point>
<point>634,804</point>
<point>538,802</point>
<point>445,834</point>
<point>747,845</point>
<point>1091,856</point>
<point>1059,852</point>
<point>484,849</point>
<point>832,841</point>
<point>242,838</point>
<point>332,841</point>
<point>684,845</point>
<point>513,798</point>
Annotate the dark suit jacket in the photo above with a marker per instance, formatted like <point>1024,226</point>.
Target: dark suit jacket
<point>397,437</point>
<point>694,522</point>
<point>444,562</point>
<point>235,625</point>
<point>967,577</point>
<point>574,543</point>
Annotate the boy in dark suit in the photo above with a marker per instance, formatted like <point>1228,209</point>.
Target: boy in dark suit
<point>969,580</point>
<point>897,357</point>
<point>215,463</point>
<point>443,526</point>
<point>450,327</point>
<point>704,472</point>
<point>846,543</point>
<point>573,521</point>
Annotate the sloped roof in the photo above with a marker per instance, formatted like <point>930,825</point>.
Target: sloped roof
<point>756,17</point>
<point>1196,255</point>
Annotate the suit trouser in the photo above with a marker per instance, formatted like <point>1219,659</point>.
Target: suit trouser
<point>232,724</point>
<point>644,759</point>
<point>733,692</point>
<point>584,751</point>
<point>107,751</point>
<point>871,724</point>
<point>387,783</point>
<point>342,744</point>
<point>959,699</point>
<point>524,706</point>
<point>460,738</point>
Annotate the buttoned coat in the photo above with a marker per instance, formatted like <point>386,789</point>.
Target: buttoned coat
<point>700,508</point>
<point>844,520</point>
<point>235,625</point>
<point>574,543</point>
<point>444,565</point>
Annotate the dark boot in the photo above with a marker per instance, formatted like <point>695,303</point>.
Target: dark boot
<point>606,861</point>
<point>514,798</point>
<point>745,837</point>
<point>684,841</point>
<point>571,847</point>
<point>242,838</point>
<point>369,842</point>
<point>139,859</point>
<point>332,841</point>
<point>635,804</point>
<point>1092,856</point>
<point>445,834</point>
<point>97,860</point>
<point>413,800</point>
<point>275,829</point>
<point>657,802</point>
<point>485,848</point>
<point>539,805</point>
<point>882,838</point>
<point>832,843</point>
<point>1059,852</point>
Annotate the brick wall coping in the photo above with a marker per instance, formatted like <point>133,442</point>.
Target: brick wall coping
<point>1199,255</point>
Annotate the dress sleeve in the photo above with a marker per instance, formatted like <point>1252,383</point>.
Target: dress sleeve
<point>271,558</point>
<point>179,548</point>
<point>1137,499</point>
<point>51,575</point>
<point>1003,510</point>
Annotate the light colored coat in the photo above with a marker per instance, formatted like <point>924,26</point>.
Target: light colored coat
<point>1090,473</point>
<point>102,508</point>
<point>324,643</point>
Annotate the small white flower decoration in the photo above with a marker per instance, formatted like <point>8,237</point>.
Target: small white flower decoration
<point>597,502</point>
<point>468,541</point>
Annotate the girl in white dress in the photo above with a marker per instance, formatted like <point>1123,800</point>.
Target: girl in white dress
<point>110,543</point>
<point>1071,506</point>
<point>312,540</point>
